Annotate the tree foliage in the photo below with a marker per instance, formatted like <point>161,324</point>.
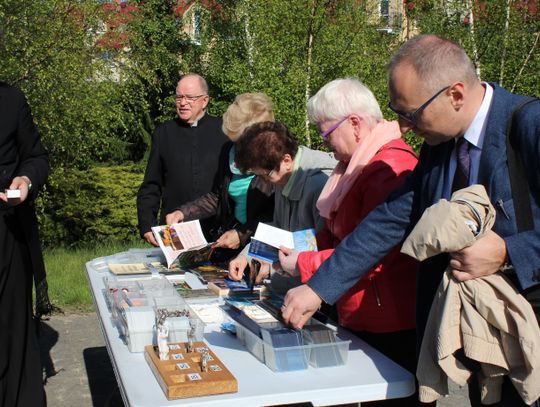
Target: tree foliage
<point>100,75</point>
<point>501,36</point>
<point>288,50</point>
<point>97,204</point>
<point>47,48</point>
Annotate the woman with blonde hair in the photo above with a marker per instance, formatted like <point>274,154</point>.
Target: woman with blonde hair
<point>239,201</point>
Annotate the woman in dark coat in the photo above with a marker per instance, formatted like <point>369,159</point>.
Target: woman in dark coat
<point>238,201</point>
<point>24,167</point>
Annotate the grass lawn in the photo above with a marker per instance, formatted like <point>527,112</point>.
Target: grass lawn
<point>68,286</point>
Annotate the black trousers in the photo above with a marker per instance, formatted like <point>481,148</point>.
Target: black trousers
<point>21,382</point>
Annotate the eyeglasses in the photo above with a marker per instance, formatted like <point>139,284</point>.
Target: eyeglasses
<point>187,97</point>
<point>326,134</point>
<point>412,117</point>
<point>266,175</point>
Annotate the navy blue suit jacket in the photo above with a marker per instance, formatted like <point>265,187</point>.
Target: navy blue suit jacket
<point>388,224</point>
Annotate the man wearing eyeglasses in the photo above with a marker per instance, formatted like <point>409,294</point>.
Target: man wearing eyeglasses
<point>436,93</point>
<point>183,158</point>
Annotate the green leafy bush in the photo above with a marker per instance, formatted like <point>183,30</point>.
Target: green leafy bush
<point>95,205</point>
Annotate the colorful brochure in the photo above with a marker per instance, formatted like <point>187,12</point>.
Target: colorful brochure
<point>265,244</point>
<point>181,239</point>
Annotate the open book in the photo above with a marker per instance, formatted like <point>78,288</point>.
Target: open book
<point>184,239</point>
<point>265,244</point>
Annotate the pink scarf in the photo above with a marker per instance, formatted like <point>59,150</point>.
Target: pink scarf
<point>344,175</point>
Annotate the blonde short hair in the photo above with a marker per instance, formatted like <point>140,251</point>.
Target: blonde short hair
<point>247,109</point>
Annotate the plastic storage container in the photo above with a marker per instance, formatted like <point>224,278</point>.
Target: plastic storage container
<point>180,326</point>
<point>138,328</point>
<point>286,359</point>
<point>329,354</point>
<point>273,350</point>
<point>251,341</point>
<point>158,287</point>
<point>113,286</point>
<point>326,349</point>
<point>134,303</point>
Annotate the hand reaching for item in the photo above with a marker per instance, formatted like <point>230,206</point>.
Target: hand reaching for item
<point>262,268</point>
<point>237,267</point>
<point>299,305</point>
<point>228,240</point>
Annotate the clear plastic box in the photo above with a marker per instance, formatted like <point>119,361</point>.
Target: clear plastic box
<point>290,358</point>
<point>176,303</point>
<point>326,349</point>
<point>179,328</point>
<point>135,317</point>
<point>251,341</point>
<point>170,303</point>
<point>286,359</point>
<point>329,354</point>
<point>133,303</point>
<point>158,287</point>
<point>112,287</point>
<point>138,328</point>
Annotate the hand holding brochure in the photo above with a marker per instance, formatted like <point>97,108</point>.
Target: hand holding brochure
<point>179,238</point>
<point>265,244</point>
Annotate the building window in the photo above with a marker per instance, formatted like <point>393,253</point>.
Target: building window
<point>385,11</point>
<point>196,21</point>
<point>385,7</point>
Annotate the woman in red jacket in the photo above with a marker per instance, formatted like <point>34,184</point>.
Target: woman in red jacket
<point>373,161</point>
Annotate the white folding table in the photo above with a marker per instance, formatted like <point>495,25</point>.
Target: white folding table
<point>368,375</point>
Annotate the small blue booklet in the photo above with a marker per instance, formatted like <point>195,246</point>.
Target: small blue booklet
<point>265,244</point>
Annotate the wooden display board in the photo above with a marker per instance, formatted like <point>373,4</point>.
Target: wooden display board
<point>182,375</point>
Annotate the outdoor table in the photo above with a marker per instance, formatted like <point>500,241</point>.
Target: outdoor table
<point>368,375</point>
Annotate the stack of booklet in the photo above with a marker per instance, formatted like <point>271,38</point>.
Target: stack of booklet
<point>294,358</point>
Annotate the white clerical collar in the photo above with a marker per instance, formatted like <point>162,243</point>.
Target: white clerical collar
<point>196,122</point>
<point>475,132</point>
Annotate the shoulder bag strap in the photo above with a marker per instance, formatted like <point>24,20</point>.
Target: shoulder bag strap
<point>518,176</point>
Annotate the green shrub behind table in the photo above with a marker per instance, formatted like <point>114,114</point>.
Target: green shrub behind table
<point>93,205</point>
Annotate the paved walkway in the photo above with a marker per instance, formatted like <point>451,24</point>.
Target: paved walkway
<point>78,372</point>
<point>77,369</point>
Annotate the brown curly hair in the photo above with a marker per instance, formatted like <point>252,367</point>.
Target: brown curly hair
<point>263,145</point>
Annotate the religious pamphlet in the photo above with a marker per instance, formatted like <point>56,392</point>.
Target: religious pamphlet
<point>182,239</point>
<point>265,244</point>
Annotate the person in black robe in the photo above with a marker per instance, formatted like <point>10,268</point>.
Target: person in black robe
<point>183,159</point>
<point>24,167</point>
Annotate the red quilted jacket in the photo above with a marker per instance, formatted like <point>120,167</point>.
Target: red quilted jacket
<point>384,299</point>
